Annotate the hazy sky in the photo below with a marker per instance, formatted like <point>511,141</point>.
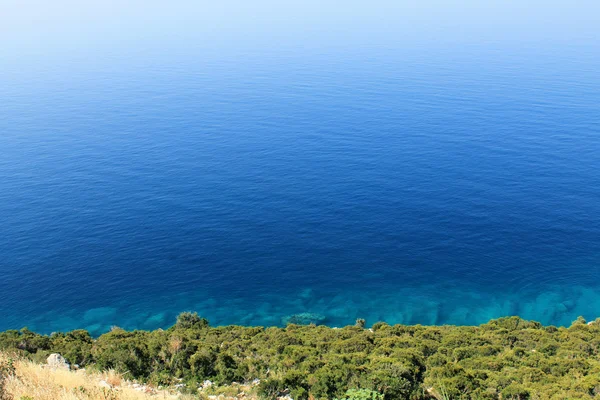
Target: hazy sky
<point>54,24</point>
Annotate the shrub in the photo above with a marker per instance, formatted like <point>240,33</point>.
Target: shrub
<point>362,394</point>
<point>508,357</point>
<point>189,320</point>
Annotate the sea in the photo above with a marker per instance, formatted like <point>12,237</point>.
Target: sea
<point>432,182</point>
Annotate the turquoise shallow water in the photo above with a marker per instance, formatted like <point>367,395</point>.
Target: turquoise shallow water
<point>427,185</point>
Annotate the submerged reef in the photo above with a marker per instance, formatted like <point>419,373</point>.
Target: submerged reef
<point>303,319</point>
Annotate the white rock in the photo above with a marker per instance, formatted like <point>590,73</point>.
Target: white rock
<point>104,384</point>
<point>57,361</point>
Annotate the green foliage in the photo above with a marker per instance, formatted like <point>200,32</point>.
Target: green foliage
<point>75,346</point>
<point>507,358</point>
<point>126,352</point>
<point>379,325</point>
<point>189,320</point>
<point>362,394</point>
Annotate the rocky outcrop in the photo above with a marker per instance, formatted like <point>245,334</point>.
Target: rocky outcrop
<point>56,361</point>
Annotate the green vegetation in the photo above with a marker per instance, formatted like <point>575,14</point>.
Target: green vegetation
<point>362,394</point>
<point>507,358</point>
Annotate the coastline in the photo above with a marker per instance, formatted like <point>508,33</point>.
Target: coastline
<point>457,305</point>
<point>502,358</point>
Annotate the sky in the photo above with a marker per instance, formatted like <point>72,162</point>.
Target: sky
<point>41,26</point>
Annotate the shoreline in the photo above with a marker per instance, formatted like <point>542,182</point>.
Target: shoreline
<point>499,359</point>
<point>550,305</point>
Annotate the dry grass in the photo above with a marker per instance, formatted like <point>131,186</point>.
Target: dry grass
<point>32,381</point>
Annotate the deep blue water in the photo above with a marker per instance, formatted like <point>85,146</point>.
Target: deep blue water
<point>410,185</point>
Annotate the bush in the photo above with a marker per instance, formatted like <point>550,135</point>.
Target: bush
<point>362,394</point>
<point>508,358</point>
<point>189,320</point>
<point>270,388</point>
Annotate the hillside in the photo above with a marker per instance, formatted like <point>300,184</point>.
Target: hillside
<point>508,358</point>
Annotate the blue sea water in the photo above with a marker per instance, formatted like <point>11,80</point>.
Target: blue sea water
<point>436,185</point>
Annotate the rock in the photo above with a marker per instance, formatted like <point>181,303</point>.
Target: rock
<point>100,314</point>
<point>303,319</point>
<point>569,304</point>
<point>57,361</point>
<point>94,329</point>
<point>306,294</point>
<point>104,384</point>
<point>156,320</point>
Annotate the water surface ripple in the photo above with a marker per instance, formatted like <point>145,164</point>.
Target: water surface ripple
<point>374,183</point>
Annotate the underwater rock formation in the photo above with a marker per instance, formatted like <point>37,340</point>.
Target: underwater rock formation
<point>303,319</point>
